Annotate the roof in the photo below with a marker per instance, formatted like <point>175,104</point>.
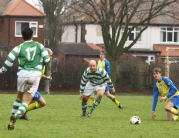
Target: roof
<point>82,49</point>
<point>163,49</point>
<point>16,8</point>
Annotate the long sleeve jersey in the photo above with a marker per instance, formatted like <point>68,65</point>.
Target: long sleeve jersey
<point>163,88</point>
<point>31,56</point>
<point>96,78</point>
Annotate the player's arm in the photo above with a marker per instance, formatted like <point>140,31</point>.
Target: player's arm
<point>44,54</point>
<point>10,60</point>
<point>155,100</point>
<point>83,82</point>
<point>170,84</point>
<point>107,66</point>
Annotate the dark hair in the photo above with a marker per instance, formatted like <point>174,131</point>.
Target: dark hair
<point>157,70</point>
<point>27,33</point>
<point>103,52</point>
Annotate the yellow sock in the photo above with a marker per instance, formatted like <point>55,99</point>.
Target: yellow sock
<point>116,101</point>
<point>91,101</point>
<point>174,111</point>
<point>33,106</point>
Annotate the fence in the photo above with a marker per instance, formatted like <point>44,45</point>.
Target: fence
<point>131,76</point>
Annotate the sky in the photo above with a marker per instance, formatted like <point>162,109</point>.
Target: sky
<point>35,3</point>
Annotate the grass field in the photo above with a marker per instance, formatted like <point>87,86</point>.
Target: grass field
<point>59,119</point>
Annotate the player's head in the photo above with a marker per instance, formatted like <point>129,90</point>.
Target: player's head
<point>50,53</point>
<point>157,72</point>
<point>102,54</point>
<point>92,65</point>
<point>27,33</point>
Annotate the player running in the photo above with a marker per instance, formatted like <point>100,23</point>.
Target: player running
<point>93,79</point>
<point>31,56</point>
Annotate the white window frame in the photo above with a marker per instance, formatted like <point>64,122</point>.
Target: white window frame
<point>32,25</point>
<point>167,32</point>
<point>135,34</point>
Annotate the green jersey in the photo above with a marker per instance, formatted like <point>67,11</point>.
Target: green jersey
<point>96,78</point>
<point>31,56</point>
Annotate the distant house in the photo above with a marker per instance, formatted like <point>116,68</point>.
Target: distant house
<point>86,51</point>
<point>161,33</point>
<point>14,15</point>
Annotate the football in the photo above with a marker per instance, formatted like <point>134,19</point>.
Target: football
<point>135,120</point>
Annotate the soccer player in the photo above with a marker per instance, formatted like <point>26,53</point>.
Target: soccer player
<point>104,63</point>
<point>168,92</point>
<point>37,101</point>
<point>93,79</point>
<point>31,56</point>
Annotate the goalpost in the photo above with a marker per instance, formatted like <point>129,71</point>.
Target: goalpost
<point>172,64</point>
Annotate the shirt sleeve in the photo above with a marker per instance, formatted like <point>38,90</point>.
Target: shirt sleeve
<point>10,59</point>
<point>84,80</point>
<point>173,88</point>
<point>155,97</point>
<point>107,66</point>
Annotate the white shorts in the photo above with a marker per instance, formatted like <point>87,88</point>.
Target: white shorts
<point>90,89</point>
<point>29,84</point>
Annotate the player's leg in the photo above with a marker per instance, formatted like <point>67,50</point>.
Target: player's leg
<point>28,86</point>
<point>17,102</point>
<point>100,91</point>
<point>172,107</point>
<point>112,97</point>
<point>89,89</point>
<point>91,100</point>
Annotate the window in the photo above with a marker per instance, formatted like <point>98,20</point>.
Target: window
<point>133,34</point>
<point>169,34</point>
<point>19,25</point>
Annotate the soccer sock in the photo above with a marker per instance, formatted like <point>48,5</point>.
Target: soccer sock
<point>95,104</point>
<point>84,107</point>
<point>174,111</point>
<point>33,106</point>
<point>91,100</point>
<point>116,101</point>
<point>21,110</point>
<point>175,117</point>
<point>15,106</point>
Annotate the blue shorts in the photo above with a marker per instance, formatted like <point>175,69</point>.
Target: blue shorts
<point>107,88</point>
<point>37,96</point>
<point>175,101</point>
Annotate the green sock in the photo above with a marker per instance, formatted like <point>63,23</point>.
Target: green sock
<point>15,106</point>
<point>21,110</point>
<point>84,107</point>
<point>95,104</point>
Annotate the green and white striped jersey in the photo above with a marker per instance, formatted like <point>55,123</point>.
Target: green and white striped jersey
<point>97,78</point>
<point>31,56</point>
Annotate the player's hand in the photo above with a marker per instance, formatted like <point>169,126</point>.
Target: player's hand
<point>81,96</point>
<point>49,78</point>
<point>113,90</point>
<point>163,98</point>
<point>153,115</point>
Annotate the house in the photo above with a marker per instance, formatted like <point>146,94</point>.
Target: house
<point>86,51</point>
<point>161,33</point>
<point>14,15</point>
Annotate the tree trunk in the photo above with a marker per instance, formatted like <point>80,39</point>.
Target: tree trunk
<point>48,73</point>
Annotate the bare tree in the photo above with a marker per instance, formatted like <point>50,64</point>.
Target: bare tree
<point>123,16</point>
<point>54,29</point>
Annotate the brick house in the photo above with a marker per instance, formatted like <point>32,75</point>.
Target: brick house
<point>14,15</point>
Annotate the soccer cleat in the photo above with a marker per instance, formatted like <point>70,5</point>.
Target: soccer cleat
<point>120,106</point>
<point>89,114</point>
<point>82,115</point>
<point>12,123</point>
<point>25,117</point>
